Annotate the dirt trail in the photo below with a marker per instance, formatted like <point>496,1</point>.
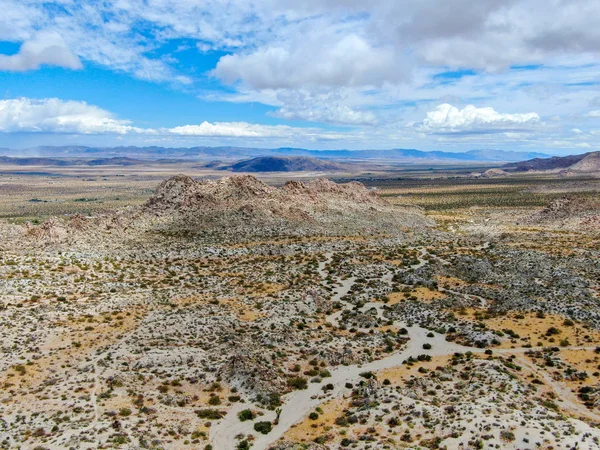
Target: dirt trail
<point>298,404</point>
<point>567,400</point>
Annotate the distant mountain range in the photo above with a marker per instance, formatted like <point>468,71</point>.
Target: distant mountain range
<point>236,153</point>
<point>65,162</point>
<point>585,163</point>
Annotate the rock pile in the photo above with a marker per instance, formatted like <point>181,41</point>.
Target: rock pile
<point>568,209</point>
<point>239,207</point>
<point>246,202</point>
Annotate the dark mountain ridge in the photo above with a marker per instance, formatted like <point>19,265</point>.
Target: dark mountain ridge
<point>285,164</point>
<point>571,162</point>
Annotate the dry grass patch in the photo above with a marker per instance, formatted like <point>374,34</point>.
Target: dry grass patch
<point>534,329</point>
<point>308,429</point>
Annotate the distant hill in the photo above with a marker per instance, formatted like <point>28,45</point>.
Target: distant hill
<point>591,163</point>
<point>36,161</point>
<point>285,164</point>
<point>65,162</point>
<point>504,155</point>
<point>116,161</point>
<point>407,156</point>
<point>587,162</point>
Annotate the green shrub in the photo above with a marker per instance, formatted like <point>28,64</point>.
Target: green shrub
<point>298,383</point>
<point>263,427</point>
<point>211,414</point>
<point>246,414</point>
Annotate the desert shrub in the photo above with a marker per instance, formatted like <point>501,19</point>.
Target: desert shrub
<point>298,383</point>
<point>263,427</point>
<point>207,413</point>
<point>508,436</point>
<point>246,414</point>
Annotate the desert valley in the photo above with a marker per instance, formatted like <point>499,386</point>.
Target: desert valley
<point>394,309</point>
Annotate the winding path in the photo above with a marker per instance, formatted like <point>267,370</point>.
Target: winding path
<point>298,404</point>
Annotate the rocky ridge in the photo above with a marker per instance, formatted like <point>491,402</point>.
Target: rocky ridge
<point>244,201</point>
<point>238,207</point>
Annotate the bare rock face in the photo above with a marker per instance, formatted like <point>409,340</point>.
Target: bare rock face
<point>244,201</point>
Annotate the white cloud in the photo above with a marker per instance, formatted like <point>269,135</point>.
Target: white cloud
<point>329,107</point>
<point>382,54</point>
<point>45,48</point>
<point>320,59</point>
<point>337,114</point>
<point>232,129</point>
<point>448,118</point>
<point>52,115</point>
<point>255,131</point>
<point>455,33</point>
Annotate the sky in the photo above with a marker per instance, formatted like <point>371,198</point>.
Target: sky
<point>448,75</point>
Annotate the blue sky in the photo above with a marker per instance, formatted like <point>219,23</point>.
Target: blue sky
<point>429,74</point>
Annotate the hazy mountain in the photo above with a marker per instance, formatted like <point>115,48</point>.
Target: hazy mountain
<point>236,153</point>
<point>62,162</point>
<point>285,164</point>
<point>505,155</point>
<point>36,161</point>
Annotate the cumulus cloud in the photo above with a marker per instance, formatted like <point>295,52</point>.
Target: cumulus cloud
<point>446,33</point>
<point>384,53</point>
<point>336,114</point>
<point>317,60</point>
<point>330,107</point>
<point>45,48</point>
<point>52,115</point>
<point>447,118</point>
<point>595,113</point>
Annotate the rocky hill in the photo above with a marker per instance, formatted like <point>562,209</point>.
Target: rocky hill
<point>569,213</point>
<point>589,164</point>
<point>244,202</point>
<point>237,208</point>
<point>285,164</point>
<point>585,163</point>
